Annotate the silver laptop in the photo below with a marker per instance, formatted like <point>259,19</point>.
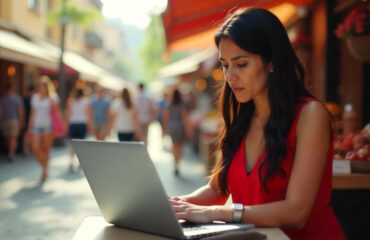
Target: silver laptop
<point>129,193</point>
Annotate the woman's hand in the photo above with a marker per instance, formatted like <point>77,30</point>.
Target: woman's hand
<point>193,213</point>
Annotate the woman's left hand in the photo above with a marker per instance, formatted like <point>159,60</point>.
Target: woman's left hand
<point>193,213</point>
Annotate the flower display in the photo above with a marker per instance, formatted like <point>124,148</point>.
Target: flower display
<point>357,22</point>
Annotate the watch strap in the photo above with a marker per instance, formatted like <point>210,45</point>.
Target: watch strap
<point>237,209</point>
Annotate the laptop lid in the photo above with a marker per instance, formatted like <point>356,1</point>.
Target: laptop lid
<point>129,193</point>
<point>126,186</point>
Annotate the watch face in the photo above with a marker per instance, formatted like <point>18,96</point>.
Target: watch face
<point>238,207</point>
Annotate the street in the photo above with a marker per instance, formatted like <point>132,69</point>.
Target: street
<point>54,210</point>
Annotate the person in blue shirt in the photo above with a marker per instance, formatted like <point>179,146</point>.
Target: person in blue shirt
<point>11,118</point>
<point>100,111</point>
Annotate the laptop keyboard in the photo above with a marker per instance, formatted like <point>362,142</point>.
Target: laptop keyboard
<point>192,228</point>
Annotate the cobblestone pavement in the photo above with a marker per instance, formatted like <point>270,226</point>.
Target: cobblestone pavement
<point>54,210</point>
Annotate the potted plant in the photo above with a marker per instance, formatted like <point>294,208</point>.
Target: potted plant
<point>355,29</point>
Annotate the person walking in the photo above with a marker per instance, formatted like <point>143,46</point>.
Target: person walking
<point>79,118</point>
<point>145,111</point>
<point>40,125</point>
<point>124,118</point>
<point>176,124</point>
<point>12,118</point>
<point>27,113</point>
<point>101,114</point>
<point>162,105</point>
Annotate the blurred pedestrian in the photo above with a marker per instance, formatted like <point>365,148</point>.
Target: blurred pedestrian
<point>27,112</point>
<point>176,124</point>
<point>124,118</point>
<point>40,125</point>
<point>100,112</point>
<point>162,104</point>
<point>12,118</point>
<point>79,118</point>
<point>145,110</point>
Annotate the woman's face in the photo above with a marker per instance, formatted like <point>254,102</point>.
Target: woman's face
<point>43,89</point>
<point>245,73</point>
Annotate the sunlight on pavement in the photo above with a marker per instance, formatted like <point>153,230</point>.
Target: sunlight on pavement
<point>30,210</point>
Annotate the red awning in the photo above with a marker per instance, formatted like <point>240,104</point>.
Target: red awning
<point>67,70</point>
<point>192,22</point>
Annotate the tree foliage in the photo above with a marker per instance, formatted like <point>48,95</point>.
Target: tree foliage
<point>71,12</point>
<point>153,48</point>
<point>124,67</point>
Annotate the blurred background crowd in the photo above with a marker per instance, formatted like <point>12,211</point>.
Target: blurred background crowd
<point>103,46</point>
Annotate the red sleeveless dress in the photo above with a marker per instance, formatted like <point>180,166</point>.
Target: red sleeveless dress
<point>246,188</point>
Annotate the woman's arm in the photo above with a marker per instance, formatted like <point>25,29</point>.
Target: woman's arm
<point>21,115</point>
<point>166,115</point>
<point>31,119</point>
<point>136,122</point>
<point>89,117</point>
<point>68,111</point>
<point>185,119</point>
<point>203,196</point>
<point>313,139</point>
<point>112,119</point>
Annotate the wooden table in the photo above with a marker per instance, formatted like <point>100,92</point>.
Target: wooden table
<point>95,227</point>
<point>351,181</point>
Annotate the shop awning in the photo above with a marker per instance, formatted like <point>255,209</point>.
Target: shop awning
<point>192,24</point>
<point>18,49</point>
<point>110,81</point>
<point>187,65</point>
<point>88,70</point>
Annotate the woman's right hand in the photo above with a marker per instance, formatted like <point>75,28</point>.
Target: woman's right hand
<point>194,213</point>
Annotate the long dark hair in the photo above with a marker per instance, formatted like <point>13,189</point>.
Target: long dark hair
<point>176,98</point>
<point>79,93</point>
<point>260,32</point>
<point>126,98</point>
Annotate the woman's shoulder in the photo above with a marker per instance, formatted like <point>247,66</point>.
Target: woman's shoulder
<point>115,102</point>
<point>34,99</point>
<point>313,113</point>
<point>311,105</point>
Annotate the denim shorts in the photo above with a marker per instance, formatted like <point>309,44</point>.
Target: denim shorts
<point>77,130</point>
<point>41,129</point>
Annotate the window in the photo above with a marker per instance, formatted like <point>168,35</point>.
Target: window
<point>34,5</point>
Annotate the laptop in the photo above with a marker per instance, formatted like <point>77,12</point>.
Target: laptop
<point>130,194</point>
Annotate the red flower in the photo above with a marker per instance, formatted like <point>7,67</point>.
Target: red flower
<point>357,22</point>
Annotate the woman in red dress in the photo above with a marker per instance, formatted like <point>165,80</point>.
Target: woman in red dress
<point>276,143</point>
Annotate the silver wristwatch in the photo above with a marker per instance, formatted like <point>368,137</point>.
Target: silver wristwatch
<point>237,212</point>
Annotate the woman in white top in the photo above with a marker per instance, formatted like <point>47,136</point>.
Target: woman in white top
<point>39,126</point>
<point>79,118</point>
<point>124,118</point>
